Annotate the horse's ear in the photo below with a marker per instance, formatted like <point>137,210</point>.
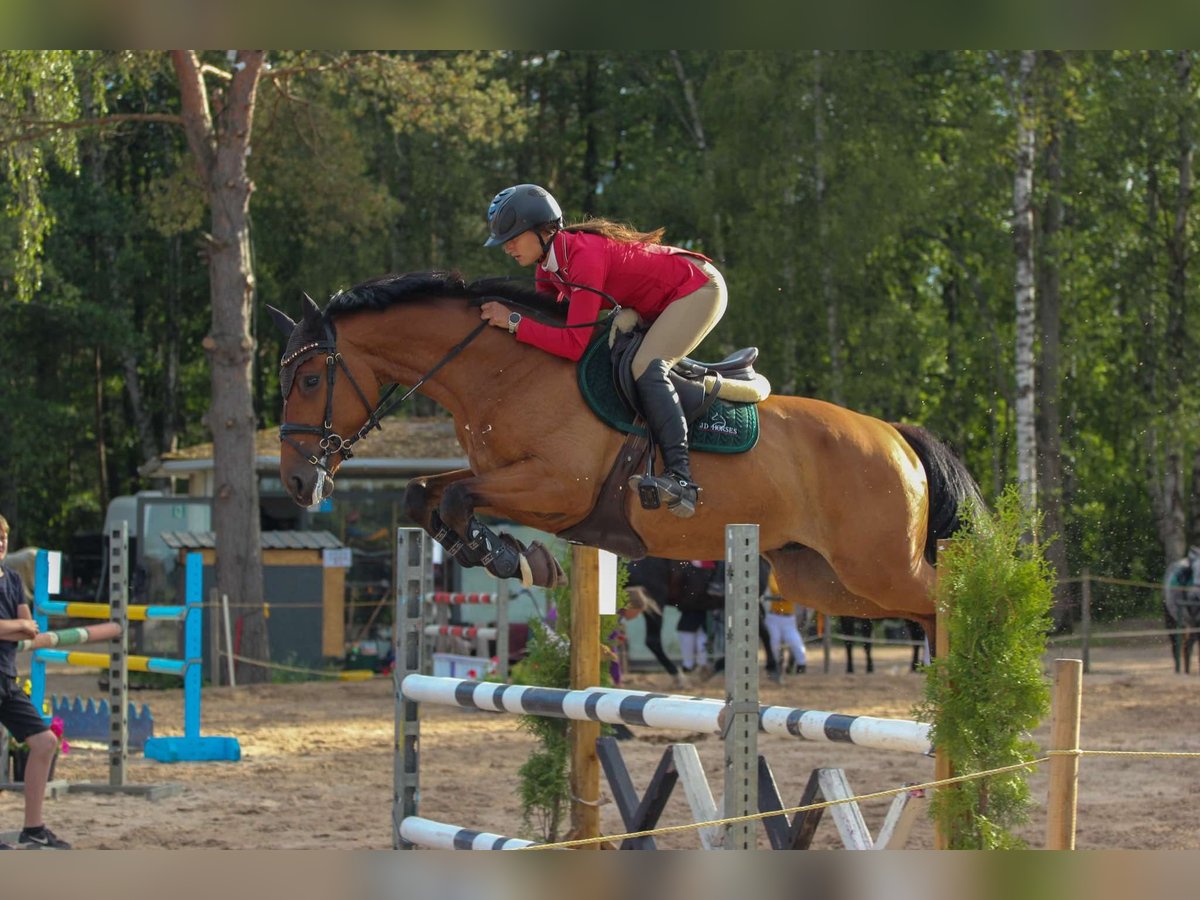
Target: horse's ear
<point>312,312</point>
<point>282,320</point>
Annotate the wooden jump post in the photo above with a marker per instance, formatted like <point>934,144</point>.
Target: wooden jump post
<point>1063,792</point>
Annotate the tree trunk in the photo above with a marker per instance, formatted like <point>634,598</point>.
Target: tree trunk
<point>1168,454</point>
<point>828,294</point>
<point>1049,426</point>
<point>220,146</point>
<point>1025,301</point>
<point>695,124</point>
<point>589,107</point>
<point>101,441</point>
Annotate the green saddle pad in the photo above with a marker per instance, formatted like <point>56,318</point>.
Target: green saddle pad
<point>725,428</point>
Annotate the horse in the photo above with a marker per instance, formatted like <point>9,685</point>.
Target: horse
<point>851,628</point>
<point>1181,609</point>
<point>24,563</point>
<point>690,589</point>
<point>849,508</point>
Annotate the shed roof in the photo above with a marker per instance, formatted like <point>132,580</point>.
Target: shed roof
<point>429,437</point>
<point>271,540</point>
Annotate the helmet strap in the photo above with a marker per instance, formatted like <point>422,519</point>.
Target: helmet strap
<point>546,243</point>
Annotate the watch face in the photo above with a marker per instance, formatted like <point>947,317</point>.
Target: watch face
<point>514,318</point>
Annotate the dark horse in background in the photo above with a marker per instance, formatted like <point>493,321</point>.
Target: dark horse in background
<point>1181,608</point>
<point>850,628</point>
<point>849,508</point>
<point>690,589</point>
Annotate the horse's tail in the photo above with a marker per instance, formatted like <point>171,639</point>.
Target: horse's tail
<point>951,487</point>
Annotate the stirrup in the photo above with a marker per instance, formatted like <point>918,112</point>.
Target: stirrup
<point>680,494</point>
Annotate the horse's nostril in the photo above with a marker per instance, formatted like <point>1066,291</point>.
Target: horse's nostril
<point>297,486</point>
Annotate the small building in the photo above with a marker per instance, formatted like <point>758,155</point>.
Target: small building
<point>304,590</point>
<point>363,515</point>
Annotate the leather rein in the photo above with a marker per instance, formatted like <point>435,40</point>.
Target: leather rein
<point>333,444</point>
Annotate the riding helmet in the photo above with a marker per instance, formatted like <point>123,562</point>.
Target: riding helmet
<point>517,209</point>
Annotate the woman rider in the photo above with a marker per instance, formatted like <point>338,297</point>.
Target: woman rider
<point>679,293</point>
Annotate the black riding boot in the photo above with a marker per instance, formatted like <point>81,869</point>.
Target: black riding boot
<point>666,422</point>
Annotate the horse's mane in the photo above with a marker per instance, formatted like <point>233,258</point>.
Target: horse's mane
<point>388,290</point>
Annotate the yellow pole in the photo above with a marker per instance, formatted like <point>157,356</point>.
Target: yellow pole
<point>585,671</point>
<point>1063,793</point>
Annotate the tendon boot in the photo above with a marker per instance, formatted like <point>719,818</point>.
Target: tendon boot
<point>667,425</point>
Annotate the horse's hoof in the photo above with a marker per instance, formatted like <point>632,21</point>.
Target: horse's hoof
<point>544,570</point>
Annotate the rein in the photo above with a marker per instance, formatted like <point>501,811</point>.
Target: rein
<point>332,443</point>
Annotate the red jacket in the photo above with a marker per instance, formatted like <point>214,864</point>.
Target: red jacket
<point>643,277</point>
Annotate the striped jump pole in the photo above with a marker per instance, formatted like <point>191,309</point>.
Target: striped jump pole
<point>65,637</point>
<point>676,711</point>
<point>470,632</point>
<point>192,746</point>
<point>421,832</point>
<point>436,610</point>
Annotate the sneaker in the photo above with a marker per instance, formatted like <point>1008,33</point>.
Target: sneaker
<point>4,846</point>
<point>44,840</point>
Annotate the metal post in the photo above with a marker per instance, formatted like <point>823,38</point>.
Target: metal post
<point>413,579</point>
<point>741,683</point>
<point>192,645</point>
<point>502,629</point>
<point>118,654</point>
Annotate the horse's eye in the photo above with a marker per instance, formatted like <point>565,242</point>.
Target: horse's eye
<point>311,381</point>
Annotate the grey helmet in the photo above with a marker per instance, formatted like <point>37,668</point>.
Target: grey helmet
<point>517,209</point>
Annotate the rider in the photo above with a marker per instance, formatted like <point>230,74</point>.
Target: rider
<point>679,292</point>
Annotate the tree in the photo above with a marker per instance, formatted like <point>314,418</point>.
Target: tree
<point>1023,247</point>
<point>218,128</point>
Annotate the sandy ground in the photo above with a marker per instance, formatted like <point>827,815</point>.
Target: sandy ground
<point>317,761</point>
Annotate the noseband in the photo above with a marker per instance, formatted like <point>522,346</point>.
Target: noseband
<point>331,443</point>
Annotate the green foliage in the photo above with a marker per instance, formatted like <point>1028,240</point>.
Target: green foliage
<point>544,777</point>
<point>856,201</point>
<point>988,692</point>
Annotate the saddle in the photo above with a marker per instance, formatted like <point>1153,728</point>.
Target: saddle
<point>717,398</point>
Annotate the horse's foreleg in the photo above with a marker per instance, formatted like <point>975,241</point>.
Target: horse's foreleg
<point>422,497</point>
<point>501,554</point>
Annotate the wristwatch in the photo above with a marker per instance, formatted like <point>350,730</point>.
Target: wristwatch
<point>514,319</point>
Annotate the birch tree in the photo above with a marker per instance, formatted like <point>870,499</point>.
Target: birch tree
<point>1023,246</point>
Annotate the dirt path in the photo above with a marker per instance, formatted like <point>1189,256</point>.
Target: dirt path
<point>317,763</point>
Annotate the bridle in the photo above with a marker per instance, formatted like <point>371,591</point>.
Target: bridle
<point>331,443</point>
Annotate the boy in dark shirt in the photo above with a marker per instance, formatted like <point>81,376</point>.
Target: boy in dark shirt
<point>17,714</point>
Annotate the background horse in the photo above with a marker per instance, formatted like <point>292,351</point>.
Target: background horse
<point>851,628</point>
<point>24,563</point>
<point>849,507</point>
<point>1181,609</point>
<point>690,589</point>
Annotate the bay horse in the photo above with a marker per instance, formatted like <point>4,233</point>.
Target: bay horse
<point>849,507</point>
